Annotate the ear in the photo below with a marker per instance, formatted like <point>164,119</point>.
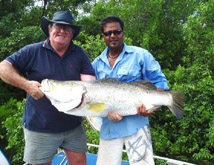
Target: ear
<point>123,35</point>
<point>49,27</point>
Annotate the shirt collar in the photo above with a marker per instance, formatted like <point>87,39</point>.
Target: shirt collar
<point>126,49</point>
<point>47,45</point>
<point>71,48</point>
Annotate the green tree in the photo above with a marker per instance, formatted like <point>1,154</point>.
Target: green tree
<point>199,36</point>
<point>10,14</point>
<point>18,39</point>
<point>12,130</point>
<point>180,35</point>
<point>190,139</point>
<point>154,25</point>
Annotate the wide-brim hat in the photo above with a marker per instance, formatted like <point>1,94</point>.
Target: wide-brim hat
<point>61,17</point>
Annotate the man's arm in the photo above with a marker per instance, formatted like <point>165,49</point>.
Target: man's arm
<point>9,75</point>
<point>87,77</point>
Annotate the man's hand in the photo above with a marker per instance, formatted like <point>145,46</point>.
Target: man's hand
<point>114,116</point>
<point>10,75</point>
<point>32,88</point>
<point>141,110</point>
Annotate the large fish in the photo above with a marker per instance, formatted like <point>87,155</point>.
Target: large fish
<point>97,98</point>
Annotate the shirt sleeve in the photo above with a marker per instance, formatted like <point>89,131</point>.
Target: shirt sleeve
<point>94,64</point>
<point>152,72</point>
<point>21,60</point>
<point>87,67</point>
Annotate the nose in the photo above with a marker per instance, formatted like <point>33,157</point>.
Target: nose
<point>113,35</point>
<point>63,28</point>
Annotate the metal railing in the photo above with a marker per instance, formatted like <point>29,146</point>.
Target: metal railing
<point>168,160</point>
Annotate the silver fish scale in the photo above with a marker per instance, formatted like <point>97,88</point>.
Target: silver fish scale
<point>97,98</point>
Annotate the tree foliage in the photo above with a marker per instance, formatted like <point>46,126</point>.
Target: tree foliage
<point>190,138</point>
<point>11,131</point>
<point>154,25</point>
<point>178,33</point>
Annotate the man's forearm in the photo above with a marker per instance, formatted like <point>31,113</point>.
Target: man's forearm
<point>9,75</point>
<point>160,89</point>
<point>85,77</point>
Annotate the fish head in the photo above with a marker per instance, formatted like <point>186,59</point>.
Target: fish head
<point>69,93</point>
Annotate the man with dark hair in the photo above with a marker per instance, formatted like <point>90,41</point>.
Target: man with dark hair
<point>110,19</point>
<point>45,128</point>
<point>126,63</point>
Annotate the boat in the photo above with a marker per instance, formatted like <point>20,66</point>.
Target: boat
<point>60,159</point>
<point>91,159</point>
<point>3,159</point>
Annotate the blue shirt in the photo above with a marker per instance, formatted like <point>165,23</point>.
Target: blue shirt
<point>40,61</point>
<point>133,64</point>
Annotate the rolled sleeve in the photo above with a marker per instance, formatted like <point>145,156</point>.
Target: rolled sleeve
<point>152,72</point>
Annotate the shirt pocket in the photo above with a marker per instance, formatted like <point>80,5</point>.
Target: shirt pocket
<point>102,74</point>
<point>129,74</point>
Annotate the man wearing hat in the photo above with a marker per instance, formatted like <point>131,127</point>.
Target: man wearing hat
<point>45,128</point>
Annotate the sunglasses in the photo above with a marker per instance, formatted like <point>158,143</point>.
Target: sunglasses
<point>62,26</point>
<point>115,32</point>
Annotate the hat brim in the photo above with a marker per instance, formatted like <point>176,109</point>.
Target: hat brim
<point>45,22</point>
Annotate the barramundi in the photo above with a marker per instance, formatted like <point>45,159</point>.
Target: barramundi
<point>97,98</point>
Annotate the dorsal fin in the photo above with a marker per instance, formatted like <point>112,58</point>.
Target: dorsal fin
<point>143,83</point>
<point>110,80</point>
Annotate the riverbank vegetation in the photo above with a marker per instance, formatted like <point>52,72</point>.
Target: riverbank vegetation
<point>178,33</point>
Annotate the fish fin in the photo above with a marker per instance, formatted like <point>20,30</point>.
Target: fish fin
<point>144,84</point>
<point>110,80</point>
<point>154,108</point>
<point>96,107</point>
<point>177,107</point>
<point>95,122</point>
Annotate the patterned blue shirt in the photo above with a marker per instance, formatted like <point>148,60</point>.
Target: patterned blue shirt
<point>133,64</point>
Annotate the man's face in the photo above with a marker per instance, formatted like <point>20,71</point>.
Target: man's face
<point>60,34</point>
<point>113,35</point>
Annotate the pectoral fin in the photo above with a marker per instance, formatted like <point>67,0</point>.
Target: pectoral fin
<point>96,107</point>
<point>95,122</point>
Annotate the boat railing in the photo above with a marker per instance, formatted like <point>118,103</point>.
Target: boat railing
<point>168,160</point>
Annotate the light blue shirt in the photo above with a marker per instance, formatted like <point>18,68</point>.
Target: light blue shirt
<point>133,64</point>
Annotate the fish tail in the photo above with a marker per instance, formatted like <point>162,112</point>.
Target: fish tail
<point>177,107</point>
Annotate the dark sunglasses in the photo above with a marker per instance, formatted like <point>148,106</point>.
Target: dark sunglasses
<point>115,32</point>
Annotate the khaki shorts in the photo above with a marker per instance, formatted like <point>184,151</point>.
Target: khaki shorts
<point>42,147</point>
<point>138,147</point>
